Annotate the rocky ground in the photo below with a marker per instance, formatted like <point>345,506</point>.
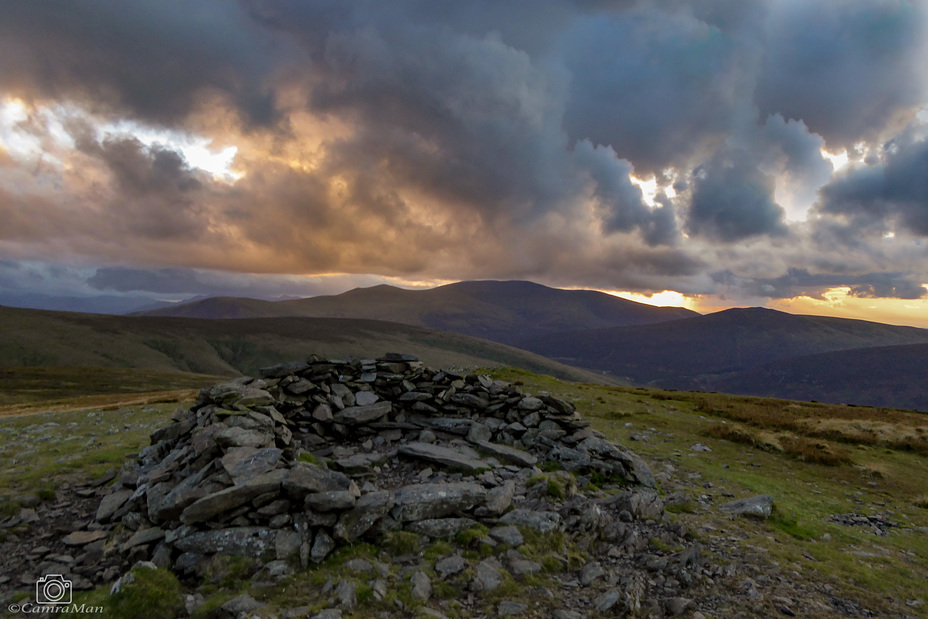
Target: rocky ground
<point>383,488</point>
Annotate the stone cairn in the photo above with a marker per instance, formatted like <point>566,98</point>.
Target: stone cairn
<point>287,467</point>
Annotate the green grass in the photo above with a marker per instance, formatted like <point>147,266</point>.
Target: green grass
<point>751,454</point>
<point>824,470</point>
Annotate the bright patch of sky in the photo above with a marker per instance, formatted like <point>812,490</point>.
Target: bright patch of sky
<point>837,161</point>
<point>24,134</point>
<point>195,149</point>
<point>648,189</point>
<point>666,298</point>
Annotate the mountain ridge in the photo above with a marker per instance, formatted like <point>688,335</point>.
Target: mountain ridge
<point>510,312</point>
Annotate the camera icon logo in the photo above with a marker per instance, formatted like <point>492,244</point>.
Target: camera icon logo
<point>53,589</point>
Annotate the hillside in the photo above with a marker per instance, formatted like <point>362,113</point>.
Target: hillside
<point>228,347</point>
<point>891,376</point>
<point>689,353</point>
<point>511,312</point>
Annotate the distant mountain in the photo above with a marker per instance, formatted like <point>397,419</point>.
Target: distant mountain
<point>887,376</point>
<point>690,353</point>
<point>228,347</point>
<point>511,312</point>
<point>98,304</point>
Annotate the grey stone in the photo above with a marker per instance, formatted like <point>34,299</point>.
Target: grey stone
<point>361,463</point>
<point>356,415</point>
<point>531,420</point>
<point>488,575</point>
<point>421,586</point>
<point>182,495</point>
<point>507,534</point>
<point>591,572</point>
<point>365,398</point>
<point>760,506</point>
<point>287,544</point>
<point>333,500</point>
<point>479,432</point>
<point>242,604</point>
<point>275,571</point>
<point>345,592</point>
<point>530,404</point>
<point>111,503</point>
<point>144,536</point>
<point>328,613</point>
<point>442,455</point>
<point>508,608</point>
<point>509,454</point>
<point>543,522</point>
<point>423,501</point>
<point>441,527</point>
<point>322,546</point>
<point>216,503</point>
<point>607,600</point>
<point>366,512</point>
<point>572,459</point>
<point>306,478</point>
<point>566,614</point>
<point>245,463</point>
<point>255,542</point>
<point>637,467</point>
<point>323,413</point>
<point>82,538</point>
<point>499,499</point>
<point>449,566</point>
<point>359,565</point>
<point>521,567</point>
<point>239,437</point>
<point>415,396</point>
<point>676,606</point>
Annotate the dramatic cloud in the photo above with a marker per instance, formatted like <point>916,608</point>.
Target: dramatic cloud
<point>642,145</point>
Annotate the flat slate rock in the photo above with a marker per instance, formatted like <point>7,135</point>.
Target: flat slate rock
<point>357,415</point>
<point>426,501</point>
<point>509,454</point>
<point>82,538</point>
<point>259,542</point>
<point>759,506</point>
<point>442,455</point>
<point>212,505</point>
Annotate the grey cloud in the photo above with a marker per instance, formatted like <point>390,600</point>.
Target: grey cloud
<point>800,282</point>
<point>152,60</point>
<point>890,193</point>
<point>656,86</point>
<point>732,200</point>
<point>465,131</point>
<point>845,67</point>
<point>622,201</point>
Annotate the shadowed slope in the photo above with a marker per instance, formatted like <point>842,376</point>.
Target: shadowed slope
<point>509,312</point>
<point>42,338</point>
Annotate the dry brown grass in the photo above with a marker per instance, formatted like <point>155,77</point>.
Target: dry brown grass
<point>900,430</point>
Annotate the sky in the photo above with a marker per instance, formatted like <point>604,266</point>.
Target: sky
<point>706,153</point>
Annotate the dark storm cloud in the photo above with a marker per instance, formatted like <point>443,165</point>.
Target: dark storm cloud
<point>151,60</point>
<point>733,200</point>
<point>844,67</point>
<point>800,282</point>
<point>471,139</point>
<point>891,192</point>
<point>622,201</point>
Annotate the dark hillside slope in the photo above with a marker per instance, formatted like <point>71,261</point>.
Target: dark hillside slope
<point>512,312</point>
<point>681,353</point>
<point>223,347</point>
<point>887,376</point>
